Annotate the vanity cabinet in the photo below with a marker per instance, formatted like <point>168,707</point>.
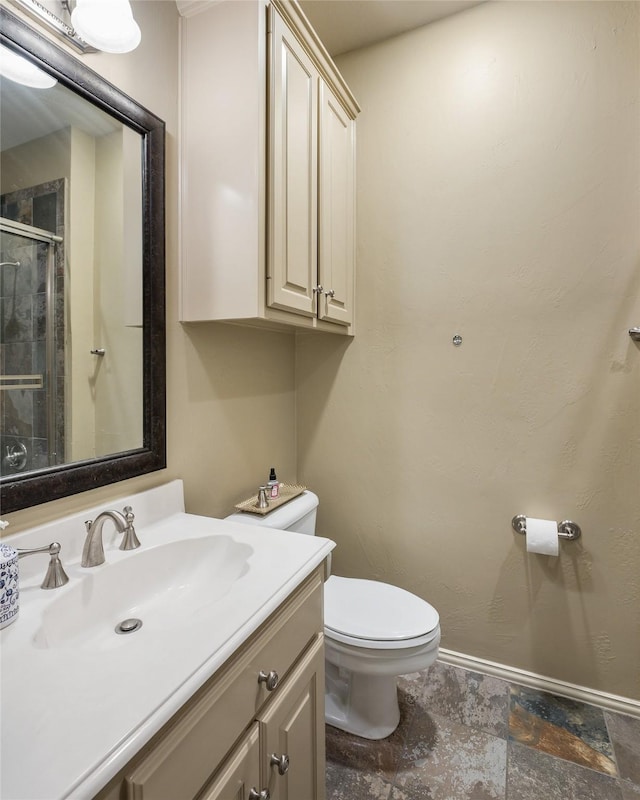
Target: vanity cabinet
<point>260,715</point>
<point>267,201</point>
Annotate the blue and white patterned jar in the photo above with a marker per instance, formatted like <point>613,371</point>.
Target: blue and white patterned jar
<point>9,592</point>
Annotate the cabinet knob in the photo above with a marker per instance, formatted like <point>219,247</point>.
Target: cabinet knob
<point>319,289</point>
<point>331,293</point>
<point>282,762</point>
<point>254,794</point>
<point>270,679</point>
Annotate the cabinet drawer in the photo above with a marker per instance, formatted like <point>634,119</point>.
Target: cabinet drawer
<point>178,766</point>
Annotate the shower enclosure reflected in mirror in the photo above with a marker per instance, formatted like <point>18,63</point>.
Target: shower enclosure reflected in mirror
<point>32,410</point>
<point>81,280</point>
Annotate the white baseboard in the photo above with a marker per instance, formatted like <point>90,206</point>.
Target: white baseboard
<point>611,702</point>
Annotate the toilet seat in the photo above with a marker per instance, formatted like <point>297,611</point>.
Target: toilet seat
<point>376,615</point>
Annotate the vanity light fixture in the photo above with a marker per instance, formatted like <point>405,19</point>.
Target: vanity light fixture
<point>87,25</point>
<point>107,25</point>
<point>20,70</point>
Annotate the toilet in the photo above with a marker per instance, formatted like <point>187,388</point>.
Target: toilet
<point>374,632</point>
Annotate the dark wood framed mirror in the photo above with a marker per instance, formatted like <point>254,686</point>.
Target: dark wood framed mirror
<point>73,461</point>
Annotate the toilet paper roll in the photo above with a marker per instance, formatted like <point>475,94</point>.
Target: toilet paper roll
<point>542,536</point>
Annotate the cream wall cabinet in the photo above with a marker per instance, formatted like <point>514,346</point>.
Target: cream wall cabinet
<point>267,170</point>
<point>232,740</point>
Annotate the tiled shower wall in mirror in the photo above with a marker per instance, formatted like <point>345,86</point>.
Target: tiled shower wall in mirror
<point>32,328</point>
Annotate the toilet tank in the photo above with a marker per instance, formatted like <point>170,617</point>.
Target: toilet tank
<point>297,515</point>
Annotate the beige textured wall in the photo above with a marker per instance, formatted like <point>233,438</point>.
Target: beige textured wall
<point>231,402</point>
<point>498,198</point>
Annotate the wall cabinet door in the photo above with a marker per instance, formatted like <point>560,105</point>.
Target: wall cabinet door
<point>336,221</point>
<point>292,733</point>
<point>293,175</point>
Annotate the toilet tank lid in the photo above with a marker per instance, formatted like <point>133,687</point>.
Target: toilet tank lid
<point>282,517</point>
<point>374,610</point>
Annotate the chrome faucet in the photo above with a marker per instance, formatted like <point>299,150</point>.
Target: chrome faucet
<point>56,576</point>
<point>93,551</point>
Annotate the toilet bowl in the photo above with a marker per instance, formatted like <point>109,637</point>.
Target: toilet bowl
<point>374,632</point>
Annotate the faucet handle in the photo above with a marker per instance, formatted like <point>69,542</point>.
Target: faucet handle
<point>130,539</point>
<point>56,576</point>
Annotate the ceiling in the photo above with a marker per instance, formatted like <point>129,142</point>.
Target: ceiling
<point>345,25</point>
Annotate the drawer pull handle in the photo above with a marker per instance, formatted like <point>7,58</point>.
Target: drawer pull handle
<point>282,762</point>
<point>254,794</point>
<point>270,679</point>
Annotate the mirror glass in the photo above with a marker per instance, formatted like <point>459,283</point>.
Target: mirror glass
<point>70,280</point>
<point>81,280</point>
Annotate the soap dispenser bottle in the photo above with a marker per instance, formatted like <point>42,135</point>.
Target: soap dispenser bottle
<point>273,485</point>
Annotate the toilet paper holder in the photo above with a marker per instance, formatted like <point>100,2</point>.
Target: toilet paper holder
<point>566,529</point>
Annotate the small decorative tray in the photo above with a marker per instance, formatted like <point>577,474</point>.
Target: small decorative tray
<point>287,492</point>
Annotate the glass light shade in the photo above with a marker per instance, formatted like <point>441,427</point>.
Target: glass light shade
<point>18,69</point>
<point>107,25</point>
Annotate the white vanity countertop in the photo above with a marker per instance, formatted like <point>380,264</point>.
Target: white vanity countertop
<point>75,710</point>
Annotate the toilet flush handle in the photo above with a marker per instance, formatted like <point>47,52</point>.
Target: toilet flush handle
<point>270,679</point>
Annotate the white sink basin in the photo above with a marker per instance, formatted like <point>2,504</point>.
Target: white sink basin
<point>164,587</point>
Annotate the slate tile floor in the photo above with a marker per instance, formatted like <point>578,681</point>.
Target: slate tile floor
<point>467,736</point>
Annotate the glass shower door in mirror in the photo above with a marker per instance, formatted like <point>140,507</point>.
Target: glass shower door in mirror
<point>32,420</point>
